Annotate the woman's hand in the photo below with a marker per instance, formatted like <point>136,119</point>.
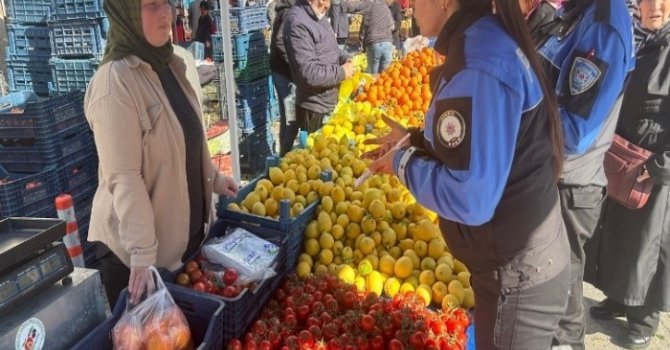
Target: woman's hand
<point>386,142</point>
<point>230,186</point>
<point>384,164</point>
<point>139,282</point>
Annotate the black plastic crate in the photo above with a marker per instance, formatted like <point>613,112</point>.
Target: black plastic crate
<point>251,69</point>
<point>43,117</point>
<point>28,11</point>
<point>71,74</point>
<point>34,154</point>
<point>204,315</point>
<point>252,94</point>
<point>28,195</point>
<point>77,38</point>
<point>76,9</point>
<point>28,43</point>
<point>79,170</point>
<point>242,310</point>
<point>28,76</point>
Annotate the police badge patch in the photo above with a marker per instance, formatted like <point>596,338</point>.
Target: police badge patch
<point>451,128</point>
<point>583,75</point>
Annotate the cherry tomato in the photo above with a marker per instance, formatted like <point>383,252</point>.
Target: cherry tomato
<point>199,287</point>
<point>235,344</point>
<point>395,344</point>
<point>367,323</point>
<point>191,266</point>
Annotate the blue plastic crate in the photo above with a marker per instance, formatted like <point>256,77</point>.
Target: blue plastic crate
<point>76,9</point>
<point>16,100</point>
<point>28,43</point>
<point>76,38</point>
<point>249,119</point>
<point>79,171</point>
<point>241,311</point>
<point>28,11</point>
<point>251,94</point>
<point>272,92</point>
<point>273,112</point>
<point>197,49</point>
<point>293,227</point>
<point>204,315</point>
<point>247,19</point>
<point>43,117</point>
<point>71,74</point>
<point>29,155</point>
<point>245,46</point>
<point>28,76</point>
<point>25,195</point>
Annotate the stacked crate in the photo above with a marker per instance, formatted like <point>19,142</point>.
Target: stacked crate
<point>46,149</point>
<point>29,49</point>
<point>77,29</point>
<point>251,65</point>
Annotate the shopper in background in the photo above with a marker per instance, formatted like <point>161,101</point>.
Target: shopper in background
<point>587,50</point>
<point>396,14</point>
<point>376,30</point>
<point>316,65</point>
<point>281,74</point>
<point>206,28</point>
<point>487,163</point>
<point>339,20</point>
<point>156,177</point>
<point>630,251</point>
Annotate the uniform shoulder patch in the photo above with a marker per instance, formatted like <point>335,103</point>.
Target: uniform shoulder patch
<point>583,75</point>
<point>451,128</point>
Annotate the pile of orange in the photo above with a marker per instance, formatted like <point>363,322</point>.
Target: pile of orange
<point>165,330</point>
<point>403,89</point>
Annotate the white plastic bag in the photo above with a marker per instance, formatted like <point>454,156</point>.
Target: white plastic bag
<point>252,257</point>
<point>289,105</point>
<point>155,323</point>
<point>416,43</point>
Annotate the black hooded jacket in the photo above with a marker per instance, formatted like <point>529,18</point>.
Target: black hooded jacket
<point>278,59</point>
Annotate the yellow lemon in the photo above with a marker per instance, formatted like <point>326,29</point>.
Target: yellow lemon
<point>443,273</point>
<point>464,278</point>
<point>347,274</point>
<point>327,204</point>
<point>427,277</point>
<point>439,291</point>
<point>436,248</point>
<point>387,265</point>
<point>312,247</point>
<point>337,231</point>
<point>306,258</point>
<point>468,298</point>
<point>428,264</point>
<point>276,176</point>
<point>450,302</point>
<point>403,267</point>
<point>312,230</point>
<point>406,287</point>
<point>326,256</point>
<point>367,245</point>
<point>392,286</point>
<point>303,270</point>
<point>421,248</point>
<point>326,240</point>
<point>425,293</point>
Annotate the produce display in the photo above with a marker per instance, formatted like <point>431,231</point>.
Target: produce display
<point>326,313</point>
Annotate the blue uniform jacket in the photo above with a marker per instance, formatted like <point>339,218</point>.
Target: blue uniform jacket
<point>590,67</point>
<point>501,86</point>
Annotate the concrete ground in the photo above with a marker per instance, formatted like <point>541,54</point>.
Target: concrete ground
<point>606,335</point>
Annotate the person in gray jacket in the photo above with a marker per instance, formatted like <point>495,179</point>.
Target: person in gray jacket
<point>315,63</point>
<point>377,31</point>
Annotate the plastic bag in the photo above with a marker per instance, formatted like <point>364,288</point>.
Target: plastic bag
<point>155,323</point>
<point>289,105</point>
<point>252,257</point>
<point>416,43</point>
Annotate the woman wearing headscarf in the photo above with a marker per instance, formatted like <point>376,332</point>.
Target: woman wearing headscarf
<point>631,252</point>
<point>155,174</point>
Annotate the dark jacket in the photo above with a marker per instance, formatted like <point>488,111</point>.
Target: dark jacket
<point>631,254</point>
<point>314,58</point>
<point>278,59</point>
<point>396,14</point>
<point>339,19</point>
<point>204,32</point>
<point>377,23</point>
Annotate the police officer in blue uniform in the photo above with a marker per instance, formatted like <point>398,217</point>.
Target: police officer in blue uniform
<point>587,52</point>
<point>487,162</point>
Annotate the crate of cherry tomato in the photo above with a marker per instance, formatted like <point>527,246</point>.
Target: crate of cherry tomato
<point>326,313</point>
<point>243,300</point>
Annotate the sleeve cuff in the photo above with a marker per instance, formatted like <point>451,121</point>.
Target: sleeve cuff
<point>144,257</point>
<point>401,161</point>
<point>416,137</point>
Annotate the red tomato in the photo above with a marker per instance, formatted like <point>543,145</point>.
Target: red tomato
<point>377,343</point>
<point>417,340</point>
<point>305,338</point>
<point>367,323</point>
<point>230,292</point>
<point>235,344</point>
<point>195,275</point>
<point>199,287</point>
<point>302,312</point>
<point>191,266</point>
<point>250,345</point>
<point>395,344</point>
<point>183,280</point>
<point>348,300</point>
<point>334,344</point>
<point>230,276</point>
<point>265,345</point>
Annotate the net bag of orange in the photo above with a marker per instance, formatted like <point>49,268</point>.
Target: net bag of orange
<point>155,323</point>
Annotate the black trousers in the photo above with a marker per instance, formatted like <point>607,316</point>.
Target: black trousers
<point>113,273</point>
<point>306,121</point>
<point>580,207</point>
<point>642,320</point>
<point>521,320</point>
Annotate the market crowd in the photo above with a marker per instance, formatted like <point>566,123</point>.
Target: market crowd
<point>538,105</point>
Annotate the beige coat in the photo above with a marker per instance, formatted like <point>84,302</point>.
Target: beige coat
<point>141,207</point>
